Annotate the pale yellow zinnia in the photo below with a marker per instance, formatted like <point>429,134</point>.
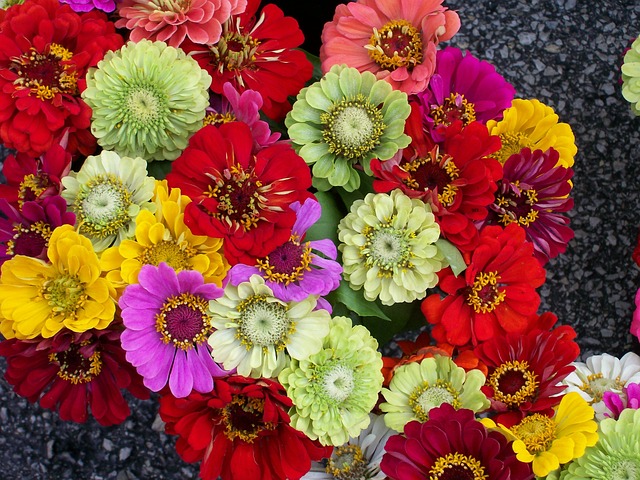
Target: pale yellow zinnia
<point>532,124</point>
<point>163,237</point>
<point>40,298</point>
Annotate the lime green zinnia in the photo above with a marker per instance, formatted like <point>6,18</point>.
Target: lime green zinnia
<point>344,119</point>
<point>147,99</point>
<point>388,247</point>
<point>106,195</point>
<point>416,388</point>
<point>631,76</point>
<point>334,390</point>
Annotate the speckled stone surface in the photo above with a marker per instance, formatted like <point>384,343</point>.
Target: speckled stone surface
<point>567,54</point>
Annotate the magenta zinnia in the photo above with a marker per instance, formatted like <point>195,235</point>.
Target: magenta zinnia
<point>167,327</point>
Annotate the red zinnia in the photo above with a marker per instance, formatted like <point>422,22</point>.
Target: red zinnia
<point>45,51</point>
<point>495,294</point>
<point>240,430</point>
<point>258,52</point>
<point>452,444</point>
<point>237,195</point>
<point>525,371</point>
<point>74,373</point>
<point>456,178</point>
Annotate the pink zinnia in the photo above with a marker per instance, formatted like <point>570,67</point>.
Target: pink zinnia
<point>635,323</point>
<point>395,39</point>
<point>167,327</point>
<point>617,402</point>
<point>171,21</point>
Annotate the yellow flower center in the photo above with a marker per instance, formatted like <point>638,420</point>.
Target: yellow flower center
<point>425,397</point>
<point>234,51</point>
<point>387,248</point>
<point>31,187</point>
<point>183,320</point>
<point>516,205</point>
<point>484,296</point>
<point>453,108</point>
<point>512,143</point>
<point>243,418</point>
<point>263,323</point>
<point>30,241</point>
<point>75,367</point>
<point>218,118</point>
<point>46,74</point>
<point>176,256</point>
<point>513,383</point>
<point>433,173</point>
<point>65,294</point>
<point>536,431</point>
<point>287,263</point>
<point>596,384</point>
<point>397,44</point>
<point>347,463</point>
<point>457,466</point>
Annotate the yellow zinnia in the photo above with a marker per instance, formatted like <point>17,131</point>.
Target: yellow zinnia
<point>40,298</point>
<point>532,124</point>
<point>164,237</point>
<point>548,442</point>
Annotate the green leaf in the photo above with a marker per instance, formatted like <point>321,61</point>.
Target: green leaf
<point>317,70</point>
<point>159,169</point>
<point>366,186</point>
<point>453,256</point>
<point>327,225</point>
<point>354,300</point>
<point>404,317</point>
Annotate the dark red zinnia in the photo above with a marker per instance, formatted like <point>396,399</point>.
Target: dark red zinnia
<point>240,430</point>
<point>45,51</point>
<point>238,195</point>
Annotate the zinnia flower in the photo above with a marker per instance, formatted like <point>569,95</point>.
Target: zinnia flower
<point>388,247</point>
<point>296,269</point>
<point>167,325</point>
<point>39,298</point>
<point>417,388</point>
<point>27,232</point>
<point>631,76</point>
<point>525,372</point>
<point>258,51</point>
<point>452,444</point>
<point>495,294</point>
<point>618,402</point>
<point>173,21</point>
<point>600,374</point>
<point>534,192</point>
<point>257,333</point>
<point>107,6</point>
<point>147,99</point>
<point>394,39</point>
<point>359,458</point>
<point>106,194</point>
<point>463,88</point>
<point>73,378</point>
<point>240,430</point>
<point>635,322</point>
<point>46,51</point>
<point>534,125</point>
<point>548,442</point>
<point>237,195</point>
<point>163,237</point>
<point>341,122</point>
<point>335,389</point>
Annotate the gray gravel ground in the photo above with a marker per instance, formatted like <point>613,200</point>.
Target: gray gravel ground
<point>567,54</point>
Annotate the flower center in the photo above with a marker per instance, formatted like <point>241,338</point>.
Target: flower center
<point>46,74</point>
<point>457,466</point>
<point>287,263</point>
<point>515,205</point>
<point>31,187</point>
<point>243,418</point>
<point>453,108</point>
<point>433,173</point>
<point>484,295</point>
<point>173,6</point>
<point>65,294</point>
<point>264,323</point>
<point>387,248</point>
<point>352,127</point>
<point>513,383</point>
<point>425,397</point>
<point>337,382</point>
<point>75,367</point>
<point>626,469</point>
<point>31,241</point>
<point>596,384</point>
<point>170,252</point>
<point>536,431</point>
<point>183,320</point>
<point>234,51</point>
<point>512,143</point>
<point>142,107</point>
<point>102,206</point>
<point>347,463</point>
<point>397,44</point>
<point>218,118</point>
<point>238,193</point>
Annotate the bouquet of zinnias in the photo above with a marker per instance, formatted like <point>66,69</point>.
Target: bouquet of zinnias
<point>198,208</point>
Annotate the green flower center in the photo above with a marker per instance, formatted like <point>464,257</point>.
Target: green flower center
<point>170,252</point>
<point>337,382</point>
<point>31,241</point>
<point>352,127</point>
<point>596,384</point>
<point>102,206</point>
<point>347,463</point>
<point>457,466</point>
<point>46,74</point>
<point>513,383</point>
<point>234,51</point>
<point>455,107</point>
<point>433,173</point>
<point>65,294</point>
<point>397,44</point>
<point>536,431</point>
<point>425,397</point>
<point>143,107</point>
<point>626,469</point>
<point>75,367</point>
<point>287,263</point>
<point>264,323</point>
<point>387,248</point>
<point>512,143</point>
<point>183,320</point>
<point>484,296</point>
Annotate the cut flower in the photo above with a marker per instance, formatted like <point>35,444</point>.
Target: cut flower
<point>631,76</point>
